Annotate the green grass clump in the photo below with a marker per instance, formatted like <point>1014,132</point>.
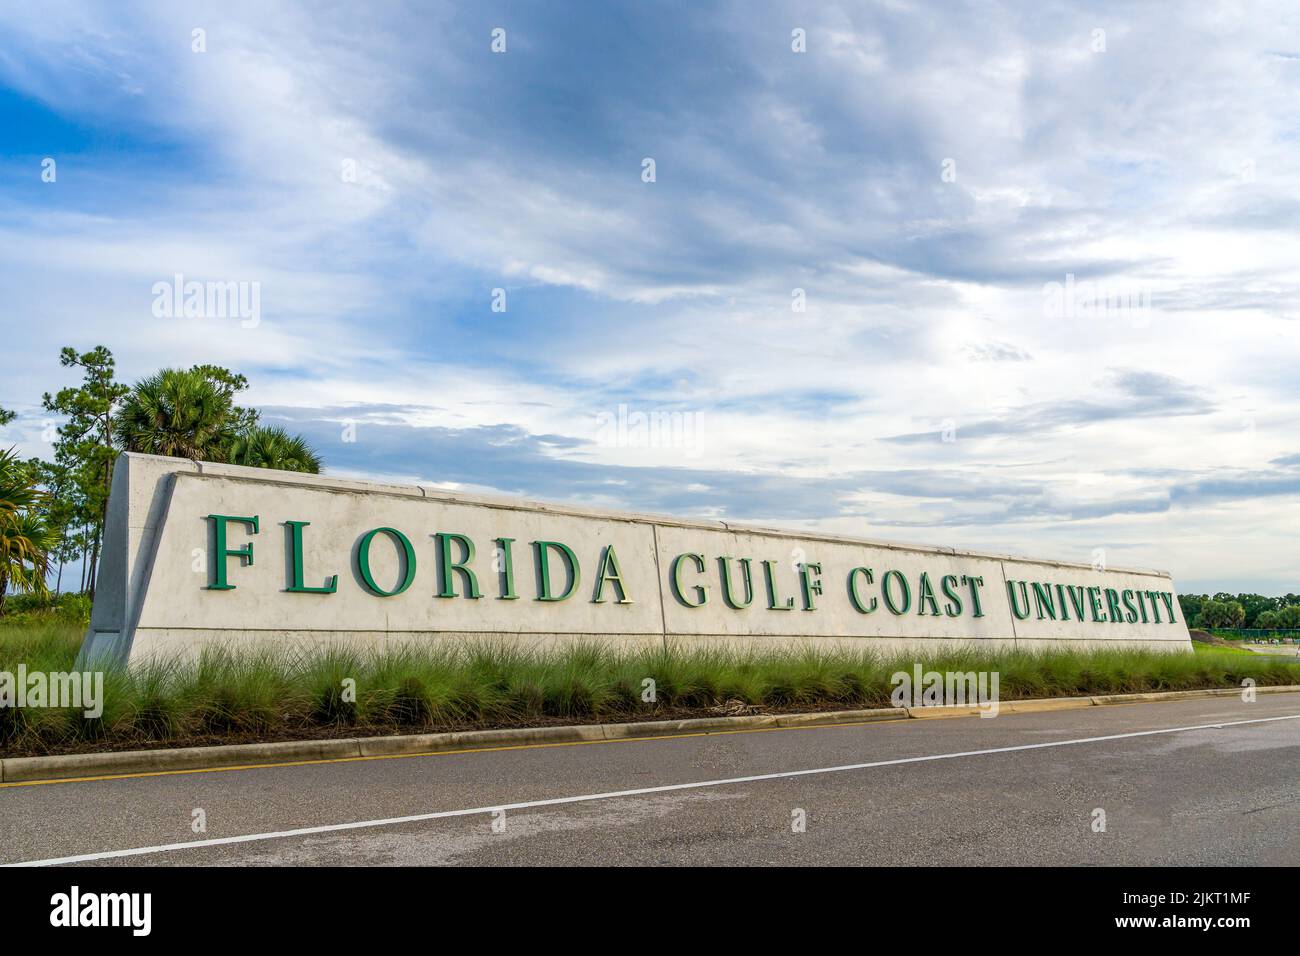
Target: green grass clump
<point>224,694</point>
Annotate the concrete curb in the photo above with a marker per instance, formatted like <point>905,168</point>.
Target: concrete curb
<point>198,759</point>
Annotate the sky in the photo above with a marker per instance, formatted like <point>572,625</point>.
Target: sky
<point>1016,277</point>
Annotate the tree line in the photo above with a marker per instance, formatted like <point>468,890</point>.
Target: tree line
<point>1240,610</point>
<point>52,513</point>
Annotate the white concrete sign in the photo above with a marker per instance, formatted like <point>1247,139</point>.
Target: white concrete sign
<point>200,554</point>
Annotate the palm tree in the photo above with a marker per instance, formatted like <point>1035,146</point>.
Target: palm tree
<point>25,538</point>
<point>182,413</point>
<point>270,447</point>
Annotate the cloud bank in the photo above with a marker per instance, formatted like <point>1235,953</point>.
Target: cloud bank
<point>839,304</point>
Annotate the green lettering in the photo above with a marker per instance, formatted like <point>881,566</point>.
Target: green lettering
<point>772,599</point>
<point>1043,600</point>
<point>727,595</point>
<point>573,572</point>
<point>609,571</point>
<point>408,561</point>
<point>810,584</point>
<point>220,552</point>
<point>1112,604</point>
<point>701,590</point>
<point>1020,615</point>
<point>295,553</point>
<point>853,590</point>
<point>926,594</point>
<point>889,599</point>
<point>1076,599</point>
<point>1132,615</point>
<point>1155,605</point>
<point>506,571</point>
<point>448,589</point>
<point>953,606</point>
<point>1094,604</point>
<point>975,582</point>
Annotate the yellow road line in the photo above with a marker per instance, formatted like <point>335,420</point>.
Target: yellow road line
<point>432,753</point>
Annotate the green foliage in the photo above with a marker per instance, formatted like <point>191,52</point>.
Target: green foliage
<point>1253,606</point>
<point>182,413</point>
<point>57,480</point>
<point>1190,604</point>
<point>25,536</point>
<point>1269,619</point>
<point>187,413</point>
<point>28,610</point>
<point>230,384</point>
<point>273,447</point>
<point>84,452</point>
<point>1214,613</point>
<point>447,686</point>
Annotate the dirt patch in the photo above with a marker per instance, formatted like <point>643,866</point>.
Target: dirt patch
<point>1205,637</point>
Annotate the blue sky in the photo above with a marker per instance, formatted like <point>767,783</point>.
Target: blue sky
<point>946,184</point>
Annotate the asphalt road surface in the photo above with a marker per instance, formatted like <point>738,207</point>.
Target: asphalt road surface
<point>1194,782</point>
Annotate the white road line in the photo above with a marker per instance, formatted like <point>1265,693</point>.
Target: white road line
<point>615,794</point>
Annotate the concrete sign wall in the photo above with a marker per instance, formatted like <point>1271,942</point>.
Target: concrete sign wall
<point>199,554</point>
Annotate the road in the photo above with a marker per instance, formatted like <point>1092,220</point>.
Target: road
<point>1016,789</point>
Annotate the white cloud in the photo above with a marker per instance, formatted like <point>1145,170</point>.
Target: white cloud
<point>1162,164</point>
